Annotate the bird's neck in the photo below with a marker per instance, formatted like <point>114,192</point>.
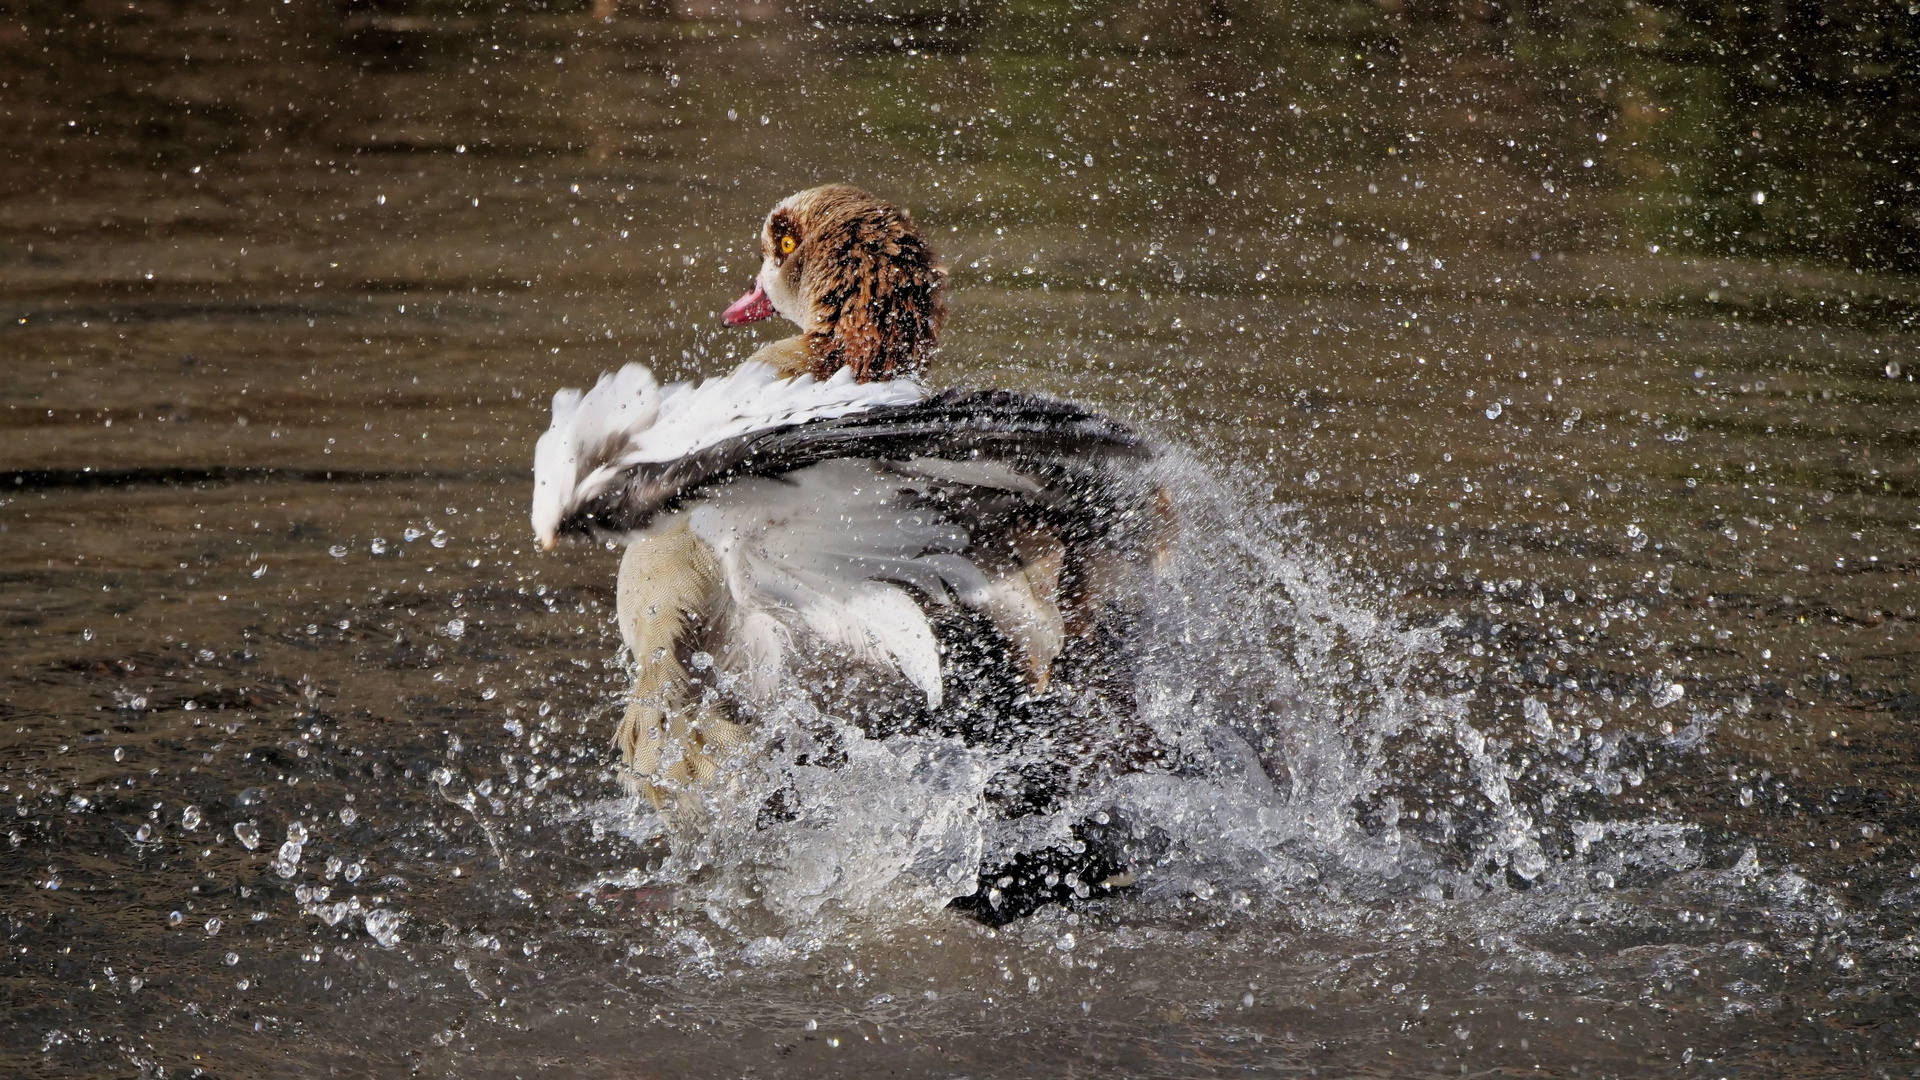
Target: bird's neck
<point>820,355</point>
<point>789,356</point>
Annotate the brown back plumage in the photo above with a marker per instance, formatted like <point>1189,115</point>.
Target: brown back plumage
<point>875,290</point>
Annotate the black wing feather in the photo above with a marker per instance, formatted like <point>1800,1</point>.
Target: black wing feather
<point>1055,438</point>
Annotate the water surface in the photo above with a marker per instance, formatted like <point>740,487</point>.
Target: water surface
<point>1538,386</point>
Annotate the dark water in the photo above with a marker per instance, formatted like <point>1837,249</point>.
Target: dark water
<point>1537,380</point>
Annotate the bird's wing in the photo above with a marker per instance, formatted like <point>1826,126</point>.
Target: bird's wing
<point>1055,445</point>
<point>628,422</point>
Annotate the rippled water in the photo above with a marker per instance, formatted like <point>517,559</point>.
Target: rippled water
<point>1537,386</point>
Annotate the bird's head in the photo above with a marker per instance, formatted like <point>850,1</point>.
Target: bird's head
<point>855,275</point>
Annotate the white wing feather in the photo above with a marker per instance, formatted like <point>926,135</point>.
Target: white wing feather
<point>828,547</point>
<point>587,429</point>
<point>755,398</point>
<point>629,419</point>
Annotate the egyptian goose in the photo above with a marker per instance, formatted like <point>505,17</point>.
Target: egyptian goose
<point>819,523</point>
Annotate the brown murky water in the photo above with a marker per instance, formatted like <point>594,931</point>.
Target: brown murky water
<point>1540,387</point>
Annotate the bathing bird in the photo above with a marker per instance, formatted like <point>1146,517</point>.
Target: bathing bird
<point>820,524</point>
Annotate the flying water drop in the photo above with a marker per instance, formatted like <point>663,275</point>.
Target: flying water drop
<point>384,926</point>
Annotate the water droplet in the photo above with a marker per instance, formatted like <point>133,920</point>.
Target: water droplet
<point>456,628</point>
<point>174,918</point>
<point>353,872</point>
<point>286,861</point>
<point>384,926</point>
<point>119,753</point>
<point>378,546</point>
<point>213,925</point>
<point>348,816</point>
<point>190,818</point>
<point>1493,411</point>
<point>411,534</point>
<point>248,834</point>
<point>1539,723</point>
<point>338,551</point>
<point>232,959</point>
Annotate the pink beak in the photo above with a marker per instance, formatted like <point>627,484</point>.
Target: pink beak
<point>750,308</point>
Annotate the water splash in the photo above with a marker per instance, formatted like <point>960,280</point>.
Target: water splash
<point>1286,693</point>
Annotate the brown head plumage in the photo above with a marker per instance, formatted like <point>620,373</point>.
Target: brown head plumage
<point>856,276</point>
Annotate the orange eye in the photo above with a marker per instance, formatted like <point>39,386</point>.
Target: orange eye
<point>787,244</point>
